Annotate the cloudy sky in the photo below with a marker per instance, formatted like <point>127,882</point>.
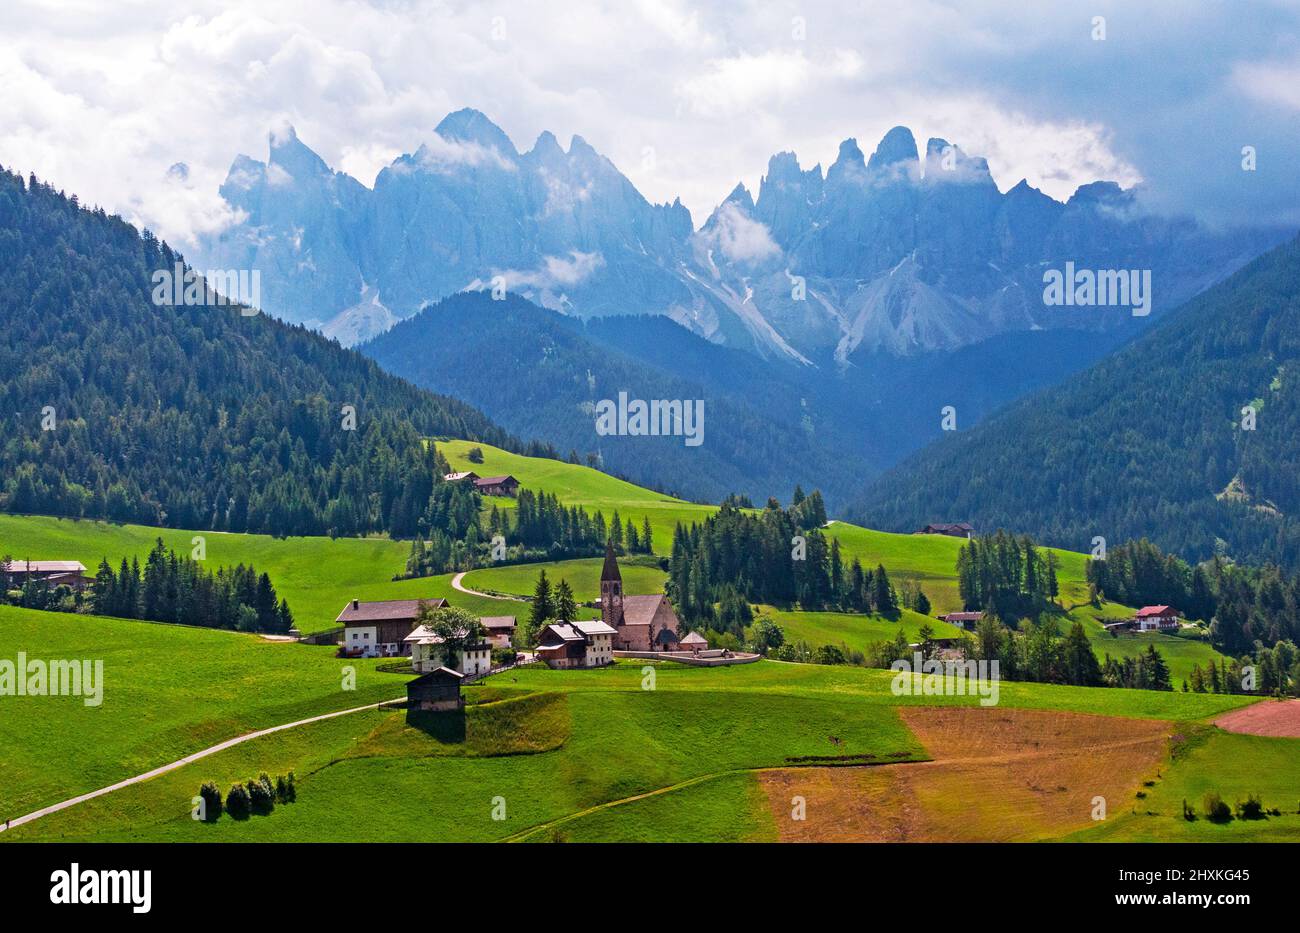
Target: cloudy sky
<point>102,98</point>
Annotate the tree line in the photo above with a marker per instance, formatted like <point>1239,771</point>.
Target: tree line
<point>778,556</point>
<point>1006,576</point>
<point>174,588</point>
<point>455,537</point>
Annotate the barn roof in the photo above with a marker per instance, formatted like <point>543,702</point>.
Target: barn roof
<point>442,675</point>
<point>45,566</point>
<point>1146,611</point>
<point>387,610</point>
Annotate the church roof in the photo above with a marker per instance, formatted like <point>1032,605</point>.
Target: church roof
<point>610,571</point>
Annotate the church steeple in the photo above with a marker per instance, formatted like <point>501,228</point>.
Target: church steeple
<point>610,572</point>
<point>611,590</point>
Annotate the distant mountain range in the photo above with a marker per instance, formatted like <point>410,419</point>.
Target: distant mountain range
<point>1189,436</point>
<point>900,254</point>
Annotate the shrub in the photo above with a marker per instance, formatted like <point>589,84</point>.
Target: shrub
<point>261,794</point>
<point>210,794</point>
<point>284,789</point>
<point>238,803</point>
<point>1189,813</point>
<point>1252,808</point>
<point>1216,811</point>
<point>829,654</point>
<point>475,455</point>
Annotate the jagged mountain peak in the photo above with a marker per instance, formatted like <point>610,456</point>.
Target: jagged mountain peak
<point>897,146</point>
<point>293,155</point>
<point>472,126</point>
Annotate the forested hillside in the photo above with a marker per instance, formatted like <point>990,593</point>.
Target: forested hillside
<point>1189,437</point>
<point>539,373</point>
<point>189,416</point>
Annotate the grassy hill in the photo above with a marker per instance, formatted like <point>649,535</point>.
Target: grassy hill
<point>167,691</point>
<point>602,738</point>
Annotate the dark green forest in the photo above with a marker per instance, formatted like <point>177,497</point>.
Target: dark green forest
<point>1151,442</point>
<point>191,416</point>
<point>777,556</point>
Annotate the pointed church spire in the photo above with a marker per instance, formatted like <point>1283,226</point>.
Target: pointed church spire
<point>610,572</point>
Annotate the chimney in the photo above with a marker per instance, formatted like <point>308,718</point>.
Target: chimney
<point>356,604</point>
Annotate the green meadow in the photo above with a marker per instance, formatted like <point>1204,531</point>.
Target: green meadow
<point>850,630</point>
<point>558,747</point>
<point>167,691</point>
<point>1212,761</point>
<point>316,575</point>
<point>583,576</point>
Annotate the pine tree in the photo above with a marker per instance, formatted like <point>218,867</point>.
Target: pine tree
<point>566,608</point>
<point>543,608</point>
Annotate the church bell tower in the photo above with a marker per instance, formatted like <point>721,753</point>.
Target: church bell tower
<point>611,590</point>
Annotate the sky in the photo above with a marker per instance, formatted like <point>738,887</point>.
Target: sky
<point>104,99</point>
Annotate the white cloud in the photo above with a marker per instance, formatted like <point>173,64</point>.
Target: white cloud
<point>553,271</point>
<point>1276,83</point>
<point>738,236</point>
<point>103,102</point>
<point>439,154</point>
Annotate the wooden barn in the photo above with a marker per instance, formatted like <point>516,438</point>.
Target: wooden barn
<point>436,691</point>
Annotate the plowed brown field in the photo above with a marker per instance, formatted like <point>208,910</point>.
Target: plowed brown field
<point>997,775</point>
<point>1270,717</point>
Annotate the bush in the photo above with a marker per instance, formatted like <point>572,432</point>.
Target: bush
<point>1216,811</point>
<point>829,654</point>
<point>1189,813</point>
<point>284,789</point>
<point>210,794</point>
<point>1252,808</point>
<point>475,455</point>
<point>238,803</point>
<point>261,793</point>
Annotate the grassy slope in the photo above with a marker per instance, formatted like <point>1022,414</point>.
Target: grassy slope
<point>621,744</point>
<point>316,575</point>
<point>857,632</point>
<point>1231,765</point>
<point>610,740</point>
<point>168,691</point>
<point>583,576</point>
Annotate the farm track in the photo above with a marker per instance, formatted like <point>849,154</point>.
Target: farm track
<point>182,762</point>
<point>456,584</point>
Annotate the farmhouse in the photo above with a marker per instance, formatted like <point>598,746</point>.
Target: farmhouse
<point>457,477</point>
<point>1156,618</point>
<point>435,691</point>
<point>966,620</point>
<point>427,654</point>
<point>497,485</point>
<point>575,644</point>
<point>640,623</point>
<point>500,630</point>
<point>952,529</point>
<point>71,573</point>
<point>379,629</point>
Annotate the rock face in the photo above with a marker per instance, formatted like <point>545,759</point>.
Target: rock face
<point>897,253</point>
